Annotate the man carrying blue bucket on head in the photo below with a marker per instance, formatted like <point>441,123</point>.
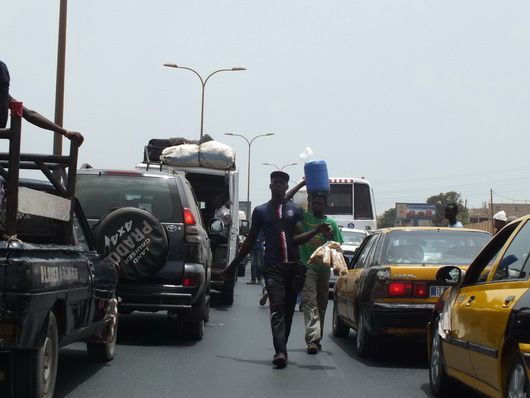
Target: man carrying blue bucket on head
<point>316,285</point>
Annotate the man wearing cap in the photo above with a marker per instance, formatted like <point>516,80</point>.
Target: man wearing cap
<point>28,114</point>
<point>499,221</point>
<point>281,223</point>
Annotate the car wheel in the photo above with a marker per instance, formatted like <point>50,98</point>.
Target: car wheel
<point>339,328</point>
<point>35,371</point>
<point>103,351</point>
<point>227,294</point>
<point>439,381</point>
<point>194,330</point>
<point>517,379</point>
<point>363,339</point>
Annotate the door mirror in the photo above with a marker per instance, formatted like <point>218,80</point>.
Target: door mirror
<point>449,275</point>
<point>216,226</point>
<point>243,227</point>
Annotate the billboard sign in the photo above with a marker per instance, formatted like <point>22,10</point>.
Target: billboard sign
<point>415,211</point>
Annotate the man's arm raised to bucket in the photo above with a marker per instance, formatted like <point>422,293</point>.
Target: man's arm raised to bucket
<point>290,194</point>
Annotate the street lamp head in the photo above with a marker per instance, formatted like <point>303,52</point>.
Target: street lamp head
<point>229,134</point>
<point>171,65</point>
<point>269,134</point>
<point>238,68</point>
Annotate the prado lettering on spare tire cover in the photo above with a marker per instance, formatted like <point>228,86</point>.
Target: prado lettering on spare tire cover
<point>133,239</point>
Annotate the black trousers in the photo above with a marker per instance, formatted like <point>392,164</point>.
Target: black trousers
<point>283,282</point>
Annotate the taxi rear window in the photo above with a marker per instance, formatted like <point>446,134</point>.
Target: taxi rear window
<point>433,247</point>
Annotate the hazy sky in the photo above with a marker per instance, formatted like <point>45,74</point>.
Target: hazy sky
<point>419,97</point>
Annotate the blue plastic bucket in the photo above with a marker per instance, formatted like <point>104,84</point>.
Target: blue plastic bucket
<point>316,176</point>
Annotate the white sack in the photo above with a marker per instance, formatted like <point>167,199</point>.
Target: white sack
<point>216,155</point>
<point>185,155</point>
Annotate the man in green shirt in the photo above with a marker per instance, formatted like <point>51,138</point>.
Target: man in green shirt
<point>316,286</point>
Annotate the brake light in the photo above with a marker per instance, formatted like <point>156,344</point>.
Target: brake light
<point>399,289</point>
<point>190,281</point>
<point>420,290</point>
<point>189,219</point>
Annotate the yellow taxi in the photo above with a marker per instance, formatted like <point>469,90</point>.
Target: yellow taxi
<point>390,287</point>
<point>480,332</point>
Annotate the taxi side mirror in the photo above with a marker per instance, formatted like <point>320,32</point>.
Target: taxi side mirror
<point>449,275</point>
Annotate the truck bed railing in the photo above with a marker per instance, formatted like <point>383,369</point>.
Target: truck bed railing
<point>54,167</point>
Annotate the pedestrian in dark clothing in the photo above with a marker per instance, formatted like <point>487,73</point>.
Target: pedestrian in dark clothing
<point>31,116</point>
<point>256,261</point>
<point>281,222</point>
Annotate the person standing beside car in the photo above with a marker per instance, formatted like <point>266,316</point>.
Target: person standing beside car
<point>282,224</point>
<point>315,292</point>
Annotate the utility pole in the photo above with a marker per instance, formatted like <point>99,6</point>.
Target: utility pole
<point>59,83</point>
<point>491,208</point>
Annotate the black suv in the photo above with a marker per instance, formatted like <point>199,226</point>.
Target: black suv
<point>157,239</point>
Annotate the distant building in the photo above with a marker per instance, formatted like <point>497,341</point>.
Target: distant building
<point>484,213</point>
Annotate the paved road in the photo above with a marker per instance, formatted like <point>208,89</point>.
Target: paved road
<point>234,360</point>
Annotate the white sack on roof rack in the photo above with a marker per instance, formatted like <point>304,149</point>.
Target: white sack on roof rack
<point>212,154</point>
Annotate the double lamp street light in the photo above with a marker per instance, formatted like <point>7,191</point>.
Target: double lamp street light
<point>249,142</point>
<point>278,167</point>
<point>203,83</point>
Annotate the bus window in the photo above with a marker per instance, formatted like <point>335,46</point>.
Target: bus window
<point>362,202</point>
<point>340,199</point>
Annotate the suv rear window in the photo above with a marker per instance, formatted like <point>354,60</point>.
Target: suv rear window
<point>100,193</point>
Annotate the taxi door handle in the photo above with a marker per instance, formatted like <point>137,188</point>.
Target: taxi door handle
<point>470,300</point>
<point>507,301</point>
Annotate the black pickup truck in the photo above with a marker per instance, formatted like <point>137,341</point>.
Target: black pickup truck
<point>54,287</point>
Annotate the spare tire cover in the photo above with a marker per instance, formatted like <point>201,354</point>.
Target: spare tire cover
<point>134,240</point>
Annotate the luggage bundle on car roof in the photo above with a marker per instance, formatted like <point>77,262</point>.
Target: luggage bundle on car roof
<point>181,152</point>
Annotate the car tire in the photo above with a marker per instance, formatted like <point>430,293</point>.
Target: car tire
<point>35,371</point>
<point>440,382</point>
<point>340,329</point>
<point>241,270</point>
<point>364,340</point>
<point>193,330</point>
<point>517,381</point>
<point>103,351</point>
<point>227,294</point>
<point>134,240</point>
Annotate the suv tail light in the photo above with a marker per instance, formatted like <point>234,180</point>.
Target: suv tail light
<point>189,218</point>
<point>190,280</point>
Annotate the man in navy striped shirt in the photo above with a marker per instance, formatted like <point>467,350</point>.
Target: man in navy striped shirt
<point>281,223</point>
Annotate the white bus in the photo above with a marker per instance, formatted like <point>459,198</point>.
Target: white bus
<point>350,203</point>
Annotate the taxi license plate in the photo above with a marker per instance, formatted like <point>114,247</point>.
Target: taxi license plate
<point>436,291</point>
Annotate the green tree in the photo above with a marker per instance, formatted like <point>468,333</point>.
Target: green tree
<point>441,200</point>
<point>387,219</point>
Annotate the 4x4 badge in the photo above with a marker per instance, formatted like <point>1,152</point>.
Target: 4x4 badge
<point>171,228</point>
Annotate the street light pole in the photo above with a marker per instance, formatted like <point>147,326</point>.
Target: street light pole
<point>278,167</point>
<point>249,142</point>
<point>203,83</point>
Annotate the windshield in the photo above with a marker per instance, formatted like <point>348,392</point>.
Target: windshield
<point>352,238</point>
<point>433,247</point>
<point>100,193</point>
